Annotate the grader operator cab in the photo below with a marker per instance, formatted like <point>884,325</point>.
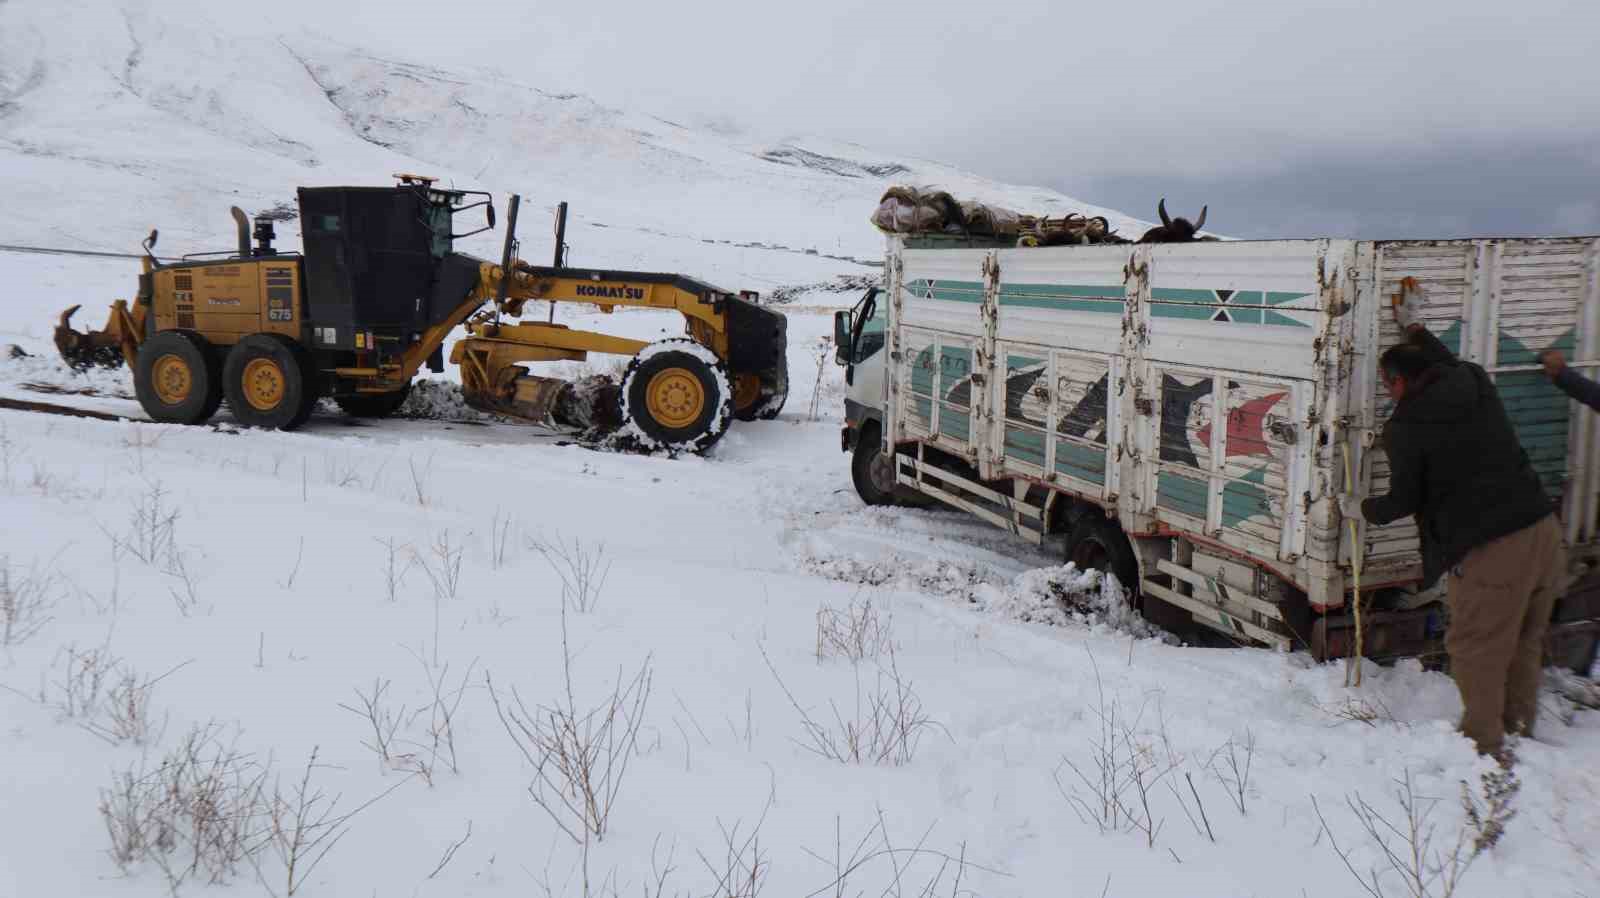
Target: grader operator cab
<point>372,298</point>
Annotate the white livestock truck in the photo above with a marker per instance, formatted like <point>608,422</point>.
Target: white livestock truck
<point>1182,415</point>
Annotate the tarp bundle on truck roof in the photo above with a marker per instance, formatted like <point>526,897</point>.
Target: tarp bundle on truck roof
<point>926,210</point>
<point>911,210</point>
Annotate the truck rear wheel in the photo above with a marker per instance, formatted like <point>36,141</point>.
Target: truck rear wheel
<point>373,405</point>
<point>675,395</point>
<point>176,378</point>
<point>269,382</point>
<point>1098,543</point>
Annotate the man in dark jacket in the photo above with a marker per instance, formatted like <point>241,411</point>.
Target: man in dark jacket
<point>1457,465</point>
<point>1571,382</point>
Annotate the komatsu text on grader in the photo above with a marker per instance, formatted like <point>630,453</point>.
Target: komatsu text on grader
<point>374,295</point>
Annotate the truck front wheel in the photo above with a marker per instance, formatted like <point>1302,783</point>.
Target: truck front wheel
<point>870,469</point>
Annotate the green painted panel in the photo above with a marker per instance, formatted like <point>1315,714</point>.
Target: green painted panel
<point>1080,461</point>
<point>1276,298</point>
<point>1223,306</point>
<point>1451,337</point>
<point>1015,362</point>
<point>1244,498</point>
<point>1181,294</point>
<point>1025,445</point>
<point>947,291</point>
<point>954,422</point>
<point>1538,412</point>
<point>1512,351</point>
<point>1102,299</point>
<point>1181,494</point>
<point>955,364</point>
<point>1098,306</point>
<point>922,410</point>
<point>1190,312</point>
<point>922,373</point>
<point>1063,291</point>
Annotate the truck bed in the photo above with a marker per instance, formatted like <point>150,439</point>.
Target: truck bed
<point>1212,389</point>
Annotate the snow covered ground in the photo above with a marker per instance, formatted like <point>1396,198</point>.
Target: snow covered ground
<point>266,611</point>
<point>260,586</point>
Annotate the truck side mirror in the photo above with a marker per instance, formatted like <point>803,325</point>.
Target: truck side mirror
<point>841,337</point>
<point>489,212</point>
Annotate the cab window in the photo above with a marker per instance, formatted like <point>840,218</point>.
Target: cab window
<point>870,336</point>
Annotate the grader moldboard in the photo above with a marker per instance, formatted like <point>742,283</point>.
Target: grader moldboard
<point>372,298</point>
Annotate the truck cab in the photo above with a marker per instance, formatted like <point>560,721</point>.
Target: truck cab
<point>859,339</point>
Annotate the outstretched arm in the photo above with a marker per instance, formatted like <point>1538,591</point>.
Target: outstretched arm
<point>1569,381</point>
<point>1405,481</point>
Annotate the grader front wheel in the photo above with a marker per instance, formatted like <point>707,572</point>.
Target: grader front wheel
<point>676,396</point>
<point>176,378</point>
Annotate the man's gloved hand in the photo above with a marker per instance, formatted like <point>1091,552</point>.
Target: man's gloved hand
<point>1408,304</point>
<point>1553,361</point>
<point>1350,506</point>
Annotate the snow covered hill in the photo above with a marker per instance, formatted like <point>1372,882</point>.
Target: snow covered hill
<point>113,122</point>
<point>208,630</point>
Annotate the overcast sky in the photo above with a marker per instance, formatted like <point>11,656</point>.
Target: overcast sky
<point>1436,118</point>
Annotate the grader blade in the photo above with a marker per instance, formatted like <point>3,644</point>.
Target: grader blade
<point>86,350</point>
<point>587,404</point>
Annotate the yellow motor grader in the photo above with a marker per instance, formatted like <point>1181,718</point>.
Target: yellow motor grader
<point>372,298</point>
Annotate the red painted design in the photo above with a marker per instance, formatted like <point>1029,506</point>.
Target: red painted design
<point>1246,427</point>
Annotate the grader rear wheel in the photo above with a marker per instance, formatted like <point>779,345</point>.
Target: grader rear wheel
<point>676,396</point>
<point>746,396</point>
<point>760,397</point>
<point>269,382</point>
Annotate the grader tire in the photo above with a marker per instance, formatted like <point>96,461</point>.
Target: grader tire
<point>774,393</point>
<point>373,405</point>
<point>760,397</point>
<point>269,382</point>
<point>176,378</point>
<point>676,395</point>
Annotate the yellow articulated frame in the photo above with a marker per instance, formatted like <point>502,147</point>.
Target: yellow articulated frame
<point>706,324</point>
<point>491,348</point>
<point>539,336</point>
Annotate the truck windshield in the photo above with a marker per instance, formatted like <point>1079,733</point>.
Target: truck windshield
<point>871,338</point>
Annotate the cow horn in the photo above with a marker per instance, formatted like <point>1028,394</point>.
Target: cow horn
<point>1161,207</point>
<point>1201,221</point>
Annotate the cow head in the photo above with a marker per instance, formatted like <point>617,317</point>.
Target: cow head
<point>1174,230</point>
